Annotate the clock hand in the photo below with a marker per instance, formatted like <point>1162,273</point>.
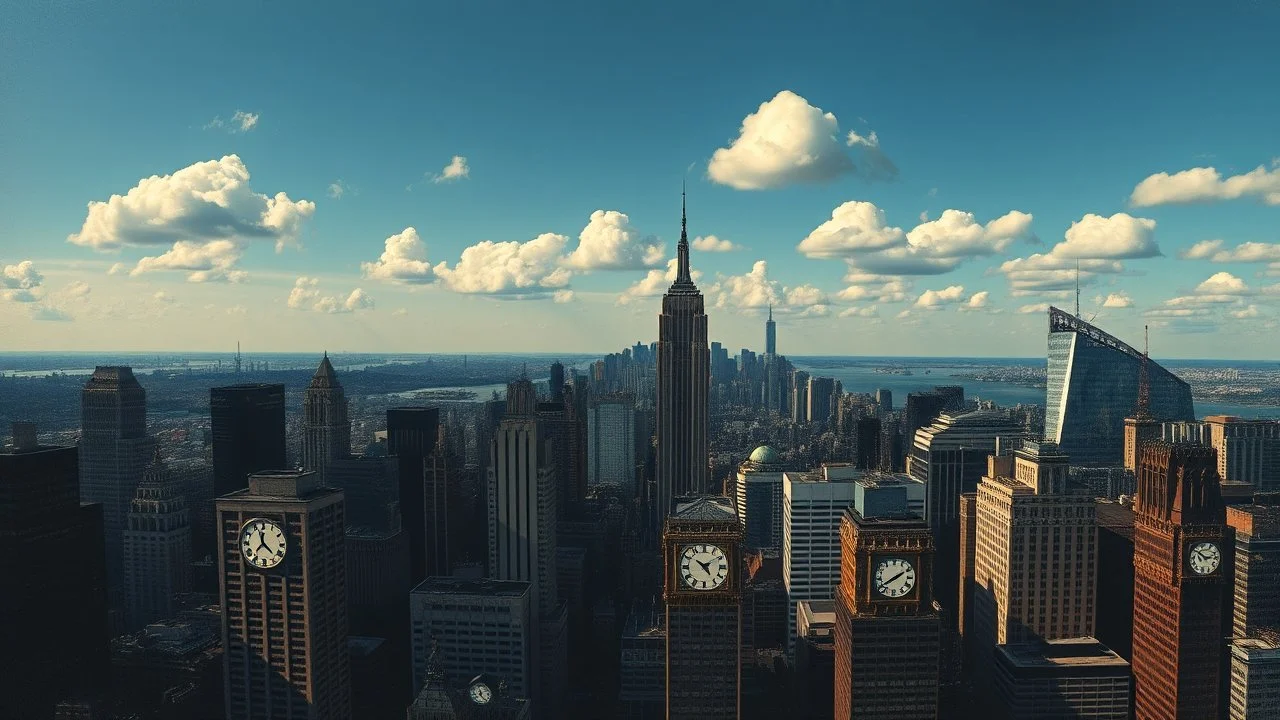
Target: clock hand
<point>895,577</point>
<point>706,566</point>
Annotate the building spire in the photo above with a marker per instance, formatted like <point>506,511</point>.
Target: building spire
<point>1077,287</point>
<point>770,312</point>
<point>682,250</point>
<point>1144,381</point>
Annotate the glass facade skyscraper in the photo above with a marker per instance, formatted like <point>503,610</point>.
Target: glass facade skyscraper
<point>1093,386</point>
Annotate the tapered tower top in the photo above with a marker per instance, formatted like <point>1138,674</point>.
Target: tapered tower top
<point>684,277</point>
<point>325,376</point>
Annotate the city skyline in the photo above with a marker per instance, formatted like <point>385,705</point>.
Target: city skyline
<point>533,196</point>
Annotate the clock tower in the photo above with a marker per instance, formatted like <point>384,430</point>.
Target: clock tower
<point>1180,557</point>
<point>701,550</point>
<point>888,627</point>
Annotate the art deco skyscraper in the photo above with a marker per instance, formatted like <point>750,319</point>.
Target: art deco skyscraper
<point>284,601</point>
<point>1179,576</point>
<point>157,547</point>
<point>326,429</point>
<point>114,453</point>
<point>684,379</point>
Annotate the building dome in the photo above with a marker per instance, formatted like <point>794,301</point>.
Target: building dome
<point>765,455</point>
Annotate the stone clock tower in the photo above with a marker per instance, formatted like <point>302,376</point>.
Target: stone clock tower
<point>888,628</point>
<point>701,550</point>
<point>1180,557</point>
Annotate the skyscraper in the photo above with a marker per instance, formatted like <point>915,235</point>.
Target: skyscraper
<point>412,433</point>
<point>1248,450</point>
<point>702,562</point>
<point>1255,652</point>
<point>326,430</point>
<point>758,499</point>
<point>248,433</point>
<point>157,547</point>
<point>821,392</point>
<point>812,506</point>
<point>555,382</point>
<point>684,379</point>
<point>1093,385</point>
<point>284,602</point>
<point>114,452</point>
<point>1140,427</point>
<point>611,442</point>
<point>522,533</point>
<point>888,632</point>
<point>770,335</point>
<point>1179,553</point>
<point>799,396</point>
<point>53,612</point>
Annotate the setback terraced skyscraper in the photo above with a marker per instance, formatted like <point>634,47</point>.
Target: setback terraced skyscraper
<point>684,378</point>
<point>1093,386</point>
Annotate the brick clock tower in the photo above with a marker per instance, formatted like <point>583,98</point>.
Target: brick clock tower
<point>701,550</point>
<point>888,627</point>
<point>1179,560</point>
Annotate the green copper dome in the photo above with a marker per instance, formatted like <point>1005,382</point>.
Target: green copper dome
<point>765,455</point>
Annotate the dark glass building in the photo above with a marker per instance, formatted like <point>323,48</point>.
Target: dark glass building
<point>248,433</point>
<point>412,433</point>
<point>1093,386</point>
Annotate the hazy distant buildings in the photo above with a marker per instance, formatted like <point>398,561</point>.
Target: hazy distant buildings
<point>1093,382</point>
<point>114,452</point>
<point>611,445</point>
<point>157,547</point>
<point>283,596</point>
<point>799,396</point>
<point>53,613</point>
<point>247,425</point>
<point>684,380</point>
<point>326,429</point>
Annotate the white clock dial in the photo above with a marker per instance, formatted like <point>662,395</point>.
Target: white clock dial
<point>703,566</point>
<point>894,577</point>
<point>1204,558</point>
<point>263,543</point>
<point>481,694</point>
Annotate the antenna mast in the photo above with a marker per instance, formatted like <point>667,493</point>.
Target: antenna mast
<point>1144,383</point>
<point>1077,287</point>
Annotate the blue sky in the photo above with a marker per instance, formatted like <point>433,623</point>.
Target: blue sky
<point>1030,119</point>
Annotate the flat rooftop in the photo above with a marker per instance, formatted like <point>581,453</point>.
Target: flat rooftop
<point>1081,652</point>
<point>447,585</point>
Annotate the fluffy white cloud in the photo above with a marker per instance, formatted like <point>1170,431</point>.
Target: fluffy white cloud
<point>978,300</point>
<point>859,232</point>
<point>1052,275</point>
<point>457,169</point>
<point>1223,283</point>
<point>404,260</point>
<point>213,261</point>
<point>20,282</point>
<point>869,159</point>
<point>1246,313</point>
<point>935,299</point>
<point>711,243</point>
<point>805,296</point>
<point>1177,312</point>
<point>1033,308</point>
<point>306,296</point>
<point>1118,237</point>
<point>1206,184</point>
<point>1249,252</point>
<point>161,296</point>
<point>880,288</point>
<point>654,283</point>
<point>788,141</point>
<point>751,290</point>
<point>563,296</point>
<point>508,268</point>
<point>1115,300</point>
<point>609,242</point>
<point>77,289</point>
<point>867,312</point>
<point>192,208</point>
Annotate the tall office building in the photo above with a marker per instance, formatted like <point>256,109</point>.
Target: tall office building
<point>284,601</point>
<point>822,391</point>
<point>522,533</point>
<point>1248,450</point>
<point>642,664</point>
<point>1255,647</point>
<point>815,646</point>
<point>812,506</point>
<point>1035,554</point>
<point>611,443</point>
<point>326,429</point>
<point>157,547</point>
<point>684,380</point>
<point>884,398</point>
<point>247,425</point>
<point>702,559</point>
<point>922,409</point>
<point>474,627</point>
<point>114,452</point>
<point>1179,551</point>
<point>555,382</point>
<point>770,334</point>
<point>758,499</point>
<point>1255,677</point>
<point>799,396</point>
<point>867,443</point>
<point>1093,385</point>
<point>888,630</point>
<point>53,608</point>
<point>949,457</point>
<point>412,433</point>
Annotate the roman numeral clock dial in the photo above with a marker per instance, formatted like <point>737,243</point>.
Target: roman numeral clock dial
<point>703,566</point>
<point>262,543</point>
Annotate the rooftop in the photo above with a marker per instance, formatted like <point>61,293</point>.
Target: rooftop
<point>1064,653</point>
<point>765,455</point>
<point>444,585</point>
<point>708,507</point>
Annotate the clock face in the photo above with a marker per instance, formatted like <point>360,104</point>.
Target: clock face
<point>894,577</point>
<point>1204,558</point>
<point>703,567</point>
<point>481,694</point>
<point>262,542</point>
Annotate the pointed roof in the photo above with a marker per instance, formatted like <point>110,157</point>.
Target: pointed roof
<point>325,376</point>
<point>684,277</point>
<point>707,507</point>
<point>156,470</point>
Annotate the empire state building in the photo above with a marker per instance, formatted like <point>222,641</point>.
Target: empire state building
<point>684,378</point>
